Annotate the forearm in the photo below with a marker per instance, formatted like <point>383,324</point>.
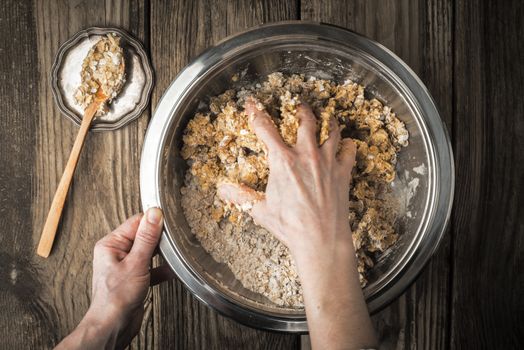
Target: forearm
<point>91,334</point>
<point>337,313</point>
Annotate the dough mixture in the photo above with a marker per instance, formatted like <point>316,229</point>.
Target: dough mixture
<point>219,144</point>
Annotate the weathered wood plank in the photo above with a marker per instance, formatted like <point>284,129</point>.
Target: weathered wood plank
<point>419,32</point>
<point>42,300</point>
<point>488,245</point>
<point>23,320</point>
<point>105,188</point>
<point>179,31</point>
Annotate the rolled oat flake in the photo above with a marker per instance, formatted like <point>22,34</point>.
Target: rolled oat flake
<point>104,69</point>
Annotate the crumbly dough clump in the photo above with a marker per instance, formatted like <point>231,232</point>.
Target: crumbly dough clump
<point>219,145</point>
<point>104,69</point>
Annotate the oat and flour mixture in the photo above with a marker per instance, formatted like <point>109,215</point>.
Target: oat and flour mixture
<point>103,69</point>
<point>219,144</point>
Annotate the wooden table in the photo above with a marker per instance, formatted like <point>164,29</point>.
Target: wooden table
<point>469,54</point>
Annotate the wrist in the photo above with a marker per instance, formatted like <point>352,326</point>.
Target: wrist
<point>328,267</point>
<point>324,247</point>
<point>91,333</point>
<point>333,297</point>
<point>107,322</point>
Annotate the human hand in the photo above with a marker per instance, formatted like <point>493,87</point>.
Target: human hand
<point>121,279</point>
<point>306,203</point>
<point>306,206</point>
<point>121,272</point>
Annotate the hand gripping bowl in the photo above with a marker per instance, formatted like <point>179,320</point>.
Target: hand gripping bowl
<point>325,52</point>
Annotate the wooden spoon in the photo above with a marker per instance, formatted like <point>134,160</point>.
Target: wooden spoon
<point>55,212</point>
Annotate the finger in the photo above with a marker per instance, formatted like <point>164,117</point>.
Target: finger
<point>330,146</point>
<point>306,135</point>
<point>161,274</point>
<point>147,236</point>
<point>240,195</point>
<point>246,199</point>
<point>346,155</point>
<point>123,236</point>
<point>262,125</point>
<point>249,200</point>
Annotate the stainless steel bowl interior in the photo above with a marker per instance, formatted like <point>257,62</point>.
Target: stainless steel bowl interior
<point>323,52</point>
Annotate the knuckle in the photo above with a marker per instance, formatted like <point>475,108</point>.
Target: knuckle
<point>261,121</point>
<point>118,234</point>
<point>348,158</point>
<point>99,247</point>
<point>304,108</point>
<point>334,137</point>
<point>148,235</point>
<point>344,171</point>
<point>329,160</point>
<point>307,120</point>
<point>286,157</point>
<point>330,146</point>
<point>99,244</point>
<point>314,157</point>
<point>347,145</point>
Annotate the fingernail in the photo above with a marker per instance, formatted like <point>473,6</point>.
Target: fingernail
<point>154,216</point>
<point>222,191</point>
<point>259,106</point>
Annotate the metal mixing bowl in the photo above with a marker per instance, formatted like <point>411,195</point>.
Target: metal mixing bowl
<point>425,180</point>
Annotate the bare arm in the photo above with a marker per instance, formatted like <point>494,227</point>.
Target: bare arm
<point>306,206</point>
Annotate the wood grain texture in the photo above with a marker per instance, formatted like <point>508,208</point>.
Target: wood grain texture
<point>488,249</point>
<point>420,33</point>
<point>469,54</point>
<point>180,30</point>
<point>24,321</point>
<point>105,186</point>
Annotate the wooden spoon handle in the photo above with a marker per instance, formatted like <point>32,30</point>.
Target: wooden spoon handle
<point>55,212</point>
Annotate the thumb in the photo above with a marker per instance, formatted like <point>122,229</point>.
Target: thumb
<point>242,196</point>
<point>147,236</point>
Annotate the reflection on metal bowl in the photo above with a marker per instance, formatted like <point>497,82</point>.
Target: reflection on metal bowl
<point>425,170</point>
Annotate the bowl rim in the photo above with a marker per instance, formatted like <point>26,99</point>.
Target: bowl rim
<point>155,139</point>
